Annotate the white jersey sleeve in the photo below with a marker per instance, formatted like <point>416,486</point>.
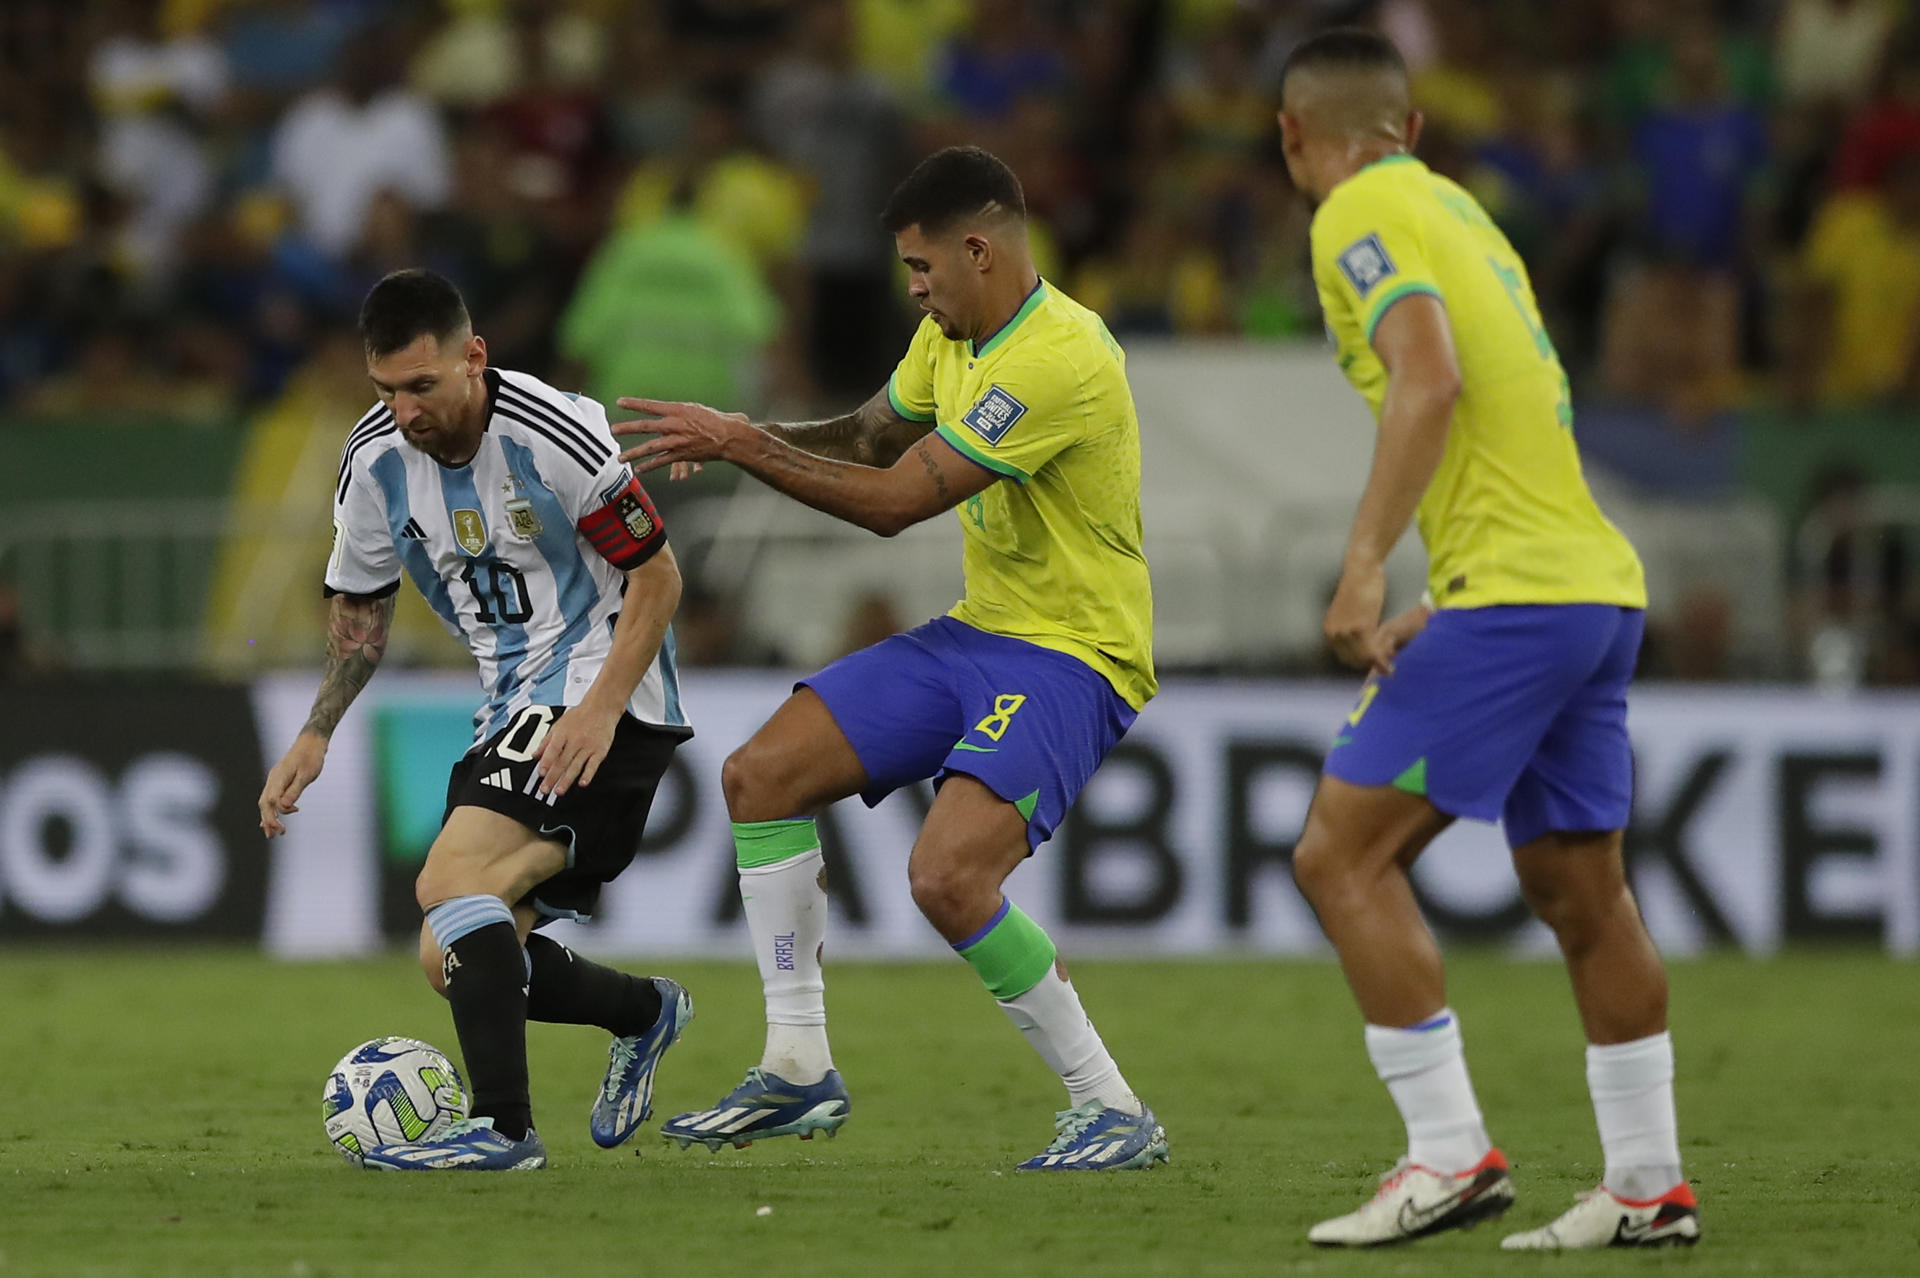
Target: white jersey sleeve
<point>364,561</point>
<point>599,492</point>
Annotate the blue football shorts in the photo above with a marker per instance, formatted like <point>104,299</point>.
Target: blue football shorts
<point>1029,723</point>
<point>1516,713</point>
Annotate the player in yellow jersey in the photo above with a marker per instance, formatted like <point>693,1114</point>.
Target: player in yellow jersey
<point>1012,405</point>
<point>1501,697</point>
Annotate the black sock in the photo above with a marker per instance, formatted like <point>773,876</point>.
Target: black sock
<point>486,984</point>
<point>566,989</point>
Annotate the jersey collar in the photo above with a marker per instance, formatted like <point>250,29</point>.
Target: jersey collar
<point>1396,157</point>
<point>1037,296</point>
<point>491,376</point>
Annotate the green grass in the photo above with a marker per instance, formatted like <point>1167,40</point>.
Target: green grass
<point>159,1114</point>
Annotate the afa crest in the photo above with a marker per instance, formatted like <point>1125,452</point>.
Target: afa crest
<point>522,519</point>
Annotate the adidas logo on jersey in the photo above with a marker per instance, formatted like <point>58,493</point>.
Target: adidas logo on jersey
<point>502,779</point>
<point>412,531</point>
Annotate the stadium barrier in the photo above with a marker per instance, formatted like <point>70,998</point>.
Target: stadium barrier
<point>127,810</point>
<point>1763,817</point>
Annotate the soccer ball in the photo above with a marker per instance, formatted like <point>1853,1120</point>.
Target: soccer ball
<point>390,1090</point>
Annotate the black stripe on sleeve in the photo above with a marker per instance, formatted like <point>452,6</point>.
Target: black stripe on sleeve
<point>551,436</point>
<point>380,593</point>
<point>565,422</point>
<point>354,446</point>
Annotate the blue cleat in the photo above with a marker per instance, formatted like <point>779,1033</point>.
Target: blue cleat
<point>469,1145</point>
<point>765,1105</point>
<point>1092,1137</point>
<point>626,1097</point>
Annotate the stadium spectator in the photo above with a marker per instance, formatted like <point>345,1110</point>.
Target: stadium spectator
<point>897,40</point>
<point>844,130</point>
<point>669,308</point>
<point>1002,56</point>
<point>341,144</point>
<point>1856,319</point>
<point>649,114</point>
<point>156,95</point>
<point>1887,127</point>
<point>1828,51</point>
<point>500,246</point>
<point>1700,152</point>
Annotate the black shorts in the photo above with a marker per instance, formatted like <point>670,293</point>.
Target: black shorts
<point>600,823</point>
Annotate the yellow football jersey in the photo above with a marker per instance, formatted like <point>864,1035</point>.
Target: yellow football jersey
<point>1052,557</point>
<point>1508,518</point>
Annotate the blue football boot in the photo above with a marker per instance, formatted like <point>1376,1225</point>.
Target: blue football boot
<point>626,1095</point>
<point>469,1145</point>
<point>765,1105</point>
<point>1091,1137</point>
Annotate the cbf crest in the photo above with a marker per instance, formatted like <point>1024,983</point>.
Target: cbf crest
<point>469,531</point>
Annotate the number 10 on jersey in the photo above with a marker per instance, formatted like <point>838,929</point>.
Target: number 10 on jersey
<point>505,590</point>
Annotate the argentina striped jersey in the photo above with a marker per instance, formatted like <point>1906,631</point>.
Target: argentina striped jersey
<point>522,553</point>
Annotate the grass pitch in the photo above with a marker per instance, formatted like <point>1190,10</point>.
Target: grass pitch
<point>159,1114</point>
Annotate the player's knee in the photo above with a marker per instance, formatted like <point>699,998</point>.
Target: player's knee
<point>751,781</point>
<point>1317,869</point>
<point>942,889</point>
<point>1576,909</point>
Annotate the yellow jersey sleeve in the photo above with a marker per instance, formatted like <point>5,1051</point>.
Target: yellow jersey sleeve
<point>910,389</point>
<point>1019,423</point>
<point>1368,253</point>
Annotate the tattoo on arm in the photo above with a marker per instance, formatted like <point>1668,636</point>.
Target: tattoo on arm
<point>871,435</point>
<point>934,472</point>
<point>357,632</point>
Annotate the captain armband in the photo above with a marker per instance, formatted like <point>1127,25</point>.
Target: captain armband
<point>627,530</point>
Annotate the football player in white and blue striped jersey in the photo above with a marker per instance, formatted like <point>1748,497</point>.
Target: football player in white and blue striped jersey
<point>506,503</point>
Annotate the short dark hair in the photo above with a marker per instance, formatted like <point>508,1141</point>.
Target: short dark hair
<point>949,185</point>
<point>1344,49</point>
<point>410,304</point>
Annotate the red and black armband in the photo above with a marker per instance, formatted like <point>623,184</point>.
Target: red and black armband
<point>627,530</point>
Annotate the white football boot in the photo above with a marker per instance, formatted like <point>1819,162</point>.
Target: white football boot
<point>1601,1218</point>
<point>1415,1201</point>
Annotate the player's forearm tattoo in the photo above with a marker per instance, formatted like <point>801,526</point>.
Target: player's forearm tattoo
<point>845,438</point>
<point>357,631</point>
<point>871,435</point>
<point>933,471</point>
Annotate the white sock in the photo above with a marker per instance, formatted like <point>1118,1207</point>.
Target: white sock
<point>1053,1021</point>
<point>1632,1087</point>
<point>1425,1069</point>
<point>787,914</point>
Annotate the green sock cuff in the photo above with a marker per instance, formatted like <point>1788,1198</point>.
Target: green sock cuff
<point>1011,953</point>
<point>762,843</point>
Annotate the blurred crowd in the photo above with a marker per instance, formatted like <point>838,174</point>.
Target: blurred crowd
<point>1719,199</point>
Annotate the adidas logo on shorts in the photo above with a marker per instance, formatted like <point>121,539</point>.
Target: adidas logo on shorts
<point>502,779</point>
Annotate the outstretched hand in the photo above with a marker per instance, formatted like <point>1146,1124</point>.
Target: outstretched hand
<point>292,775</point>
<point>684,435</point>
